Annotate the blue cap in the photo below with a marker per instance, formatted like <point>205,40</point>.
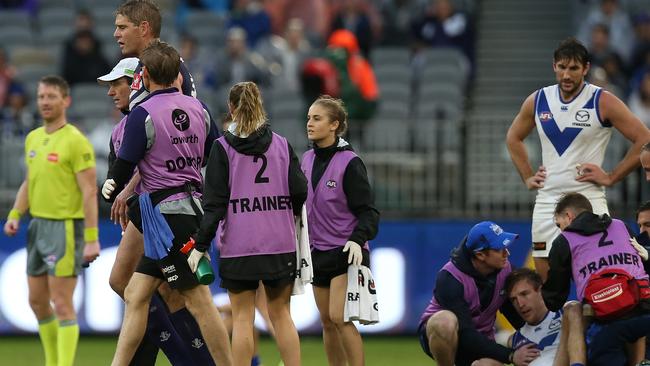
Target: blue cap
<point>488,235</point>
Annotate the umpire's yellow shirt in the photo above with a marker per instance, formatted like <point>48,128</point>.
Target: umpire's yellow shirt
<point>52,163</point>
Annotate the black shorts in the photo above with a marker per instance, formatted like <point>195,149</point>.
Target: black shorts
<point>243,285</point>
<point>424,340</point>
<point>462,358</point>
<point>244,273</point>
<point>173,268</point>
<point>332,263</point>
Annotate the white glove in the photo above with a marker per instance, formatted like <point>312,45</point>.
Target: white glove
<point>108,188</point>
<point>643,252</point>
<point>355,255</point>
<point>194,258</point>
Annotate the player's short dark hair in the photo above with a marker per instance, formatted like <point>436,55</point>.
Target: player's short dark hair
<point>162,61</point>
<point>645,206</point>
<point>521,274</point>
<point>138,11</point>
<point>574,201</point>
<point>571,49</point>
<point>57,81</point>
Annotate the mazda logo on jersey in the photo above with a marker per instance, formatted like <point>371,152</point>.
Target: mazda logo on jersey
<point>582,115</point>
<point>181,119</point>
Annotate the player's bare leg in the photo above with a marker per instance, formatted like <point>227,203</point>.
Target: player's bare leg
<point>136,299</point>
<point>331,338</point>
<point>128,255</point>
<point>350,337</point>
<point>286,335</point>
<point>442,331</point>
<point>541,267</point>
<point>243,315</point>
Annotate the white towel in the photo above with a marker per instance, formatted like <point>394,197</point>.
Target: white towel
<point>361,304</point>
<point>304,268</point>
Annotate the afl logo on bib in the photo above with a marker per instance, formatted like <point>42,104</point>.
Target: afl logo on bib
<point>331,183</point>
<point>545,116</point>
<point>181,119</point>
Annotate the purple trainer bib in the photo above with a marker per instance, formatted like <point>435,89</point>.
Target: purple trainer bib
<point>259,219</point>
<point>483,320</point>
<point>330,221</point>
<point>177,153</point>
<point>610,249</point>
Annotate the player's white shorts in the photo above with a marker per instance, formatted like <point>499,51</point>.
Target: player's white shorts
<point>544,229</point>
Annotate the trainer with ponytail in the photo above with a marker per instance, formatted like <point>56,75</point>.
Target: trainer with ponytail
<point>342,218</point>
<point>253,188</point>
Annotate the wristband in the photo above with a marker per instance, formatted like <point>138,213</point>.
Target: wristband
<point>91,234</point>
<point>14,214</point>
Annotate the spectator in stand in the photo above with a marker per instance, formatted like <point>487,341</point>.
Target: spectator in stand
<point>202,69</point>
<point>16,118</point>
<point>443,26</point>
<point>251,16</point>
<point>286,55</point>
<point>618,22</point>
<point>599,44</point>
<point>7,74</point>
<point>397,15</point>
<point>641,51</point>
<point>352,17</point>
<point>84,61</point>
<point>238,64</point>
<point>639,101</point>
<point>313,13</point>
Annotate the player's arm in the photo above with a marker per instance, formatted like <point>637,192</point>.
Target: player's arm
<point>614,111</point>
<point>556,288</point>
<point>520,128</point>
<point>297,183</point>
<point>86,179</point>
<point>21,204</point>
<point>361,202</point>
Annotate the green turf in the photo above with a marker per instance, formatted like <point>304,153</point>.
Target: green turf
<point>380,351</point>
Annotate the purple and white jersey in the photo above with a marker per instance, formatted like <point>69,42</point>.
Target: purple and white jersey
<point>139,92</point>
<point>179,126</point>
<point>259,219</point>
<point>330,221</point>
<point>609,249</point>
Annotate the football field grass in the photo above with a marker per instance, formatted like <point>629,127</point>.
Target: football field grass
<point>380,351</point>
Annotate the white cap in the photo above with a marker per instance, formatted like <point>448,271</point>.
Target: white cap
<point>126,67</point>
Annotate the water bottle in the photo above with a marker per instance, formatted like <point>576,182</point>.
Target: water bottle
<point>204,273</point>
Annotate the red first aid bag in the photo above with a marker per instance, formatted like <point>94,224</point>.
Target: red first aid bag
<point>612,293</point>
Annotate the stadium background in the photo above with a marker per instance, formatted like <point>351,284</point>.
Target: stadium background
<point>435,149</point>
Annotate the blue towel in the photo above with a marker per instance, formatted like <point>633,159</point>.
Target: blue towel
<point>158,236</point>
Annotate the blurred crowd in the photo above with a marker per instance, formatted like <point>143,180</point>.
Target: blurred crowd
<point>226,41</point>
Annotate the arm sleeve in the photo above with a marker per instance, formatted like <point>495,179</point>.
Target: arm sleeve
<point>297,183</point>
<point>216,194</point>
<point>112,157</point>
<point>134,142</point>
<point>188,87</point>
<point>450,295</point>
<point>556,288</point>
<point>83,155</point>
<point>211,135</point>
<point>361,201</point>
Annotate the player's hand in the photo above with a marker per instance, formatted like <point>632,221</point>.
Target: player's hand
<point>537,180</point>
<point>524,355</point>
<point>108,188</point>
<point>643,252</point>
<point>91,251</point>
<point>11,227</point>
<point>355,257</point>
<point>194,257</point>
<point>588,172</point>
<point>119,209</point>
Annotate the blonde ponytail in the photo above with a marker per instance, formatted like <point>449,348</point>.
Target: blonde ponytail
<point>248,108</point>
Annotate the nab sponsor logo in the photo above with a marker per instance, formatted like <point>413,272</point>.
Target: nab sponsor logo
<point>53,157</point>
<point>181,119</point>
<point>545,116</point>
<point>331,184</point>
